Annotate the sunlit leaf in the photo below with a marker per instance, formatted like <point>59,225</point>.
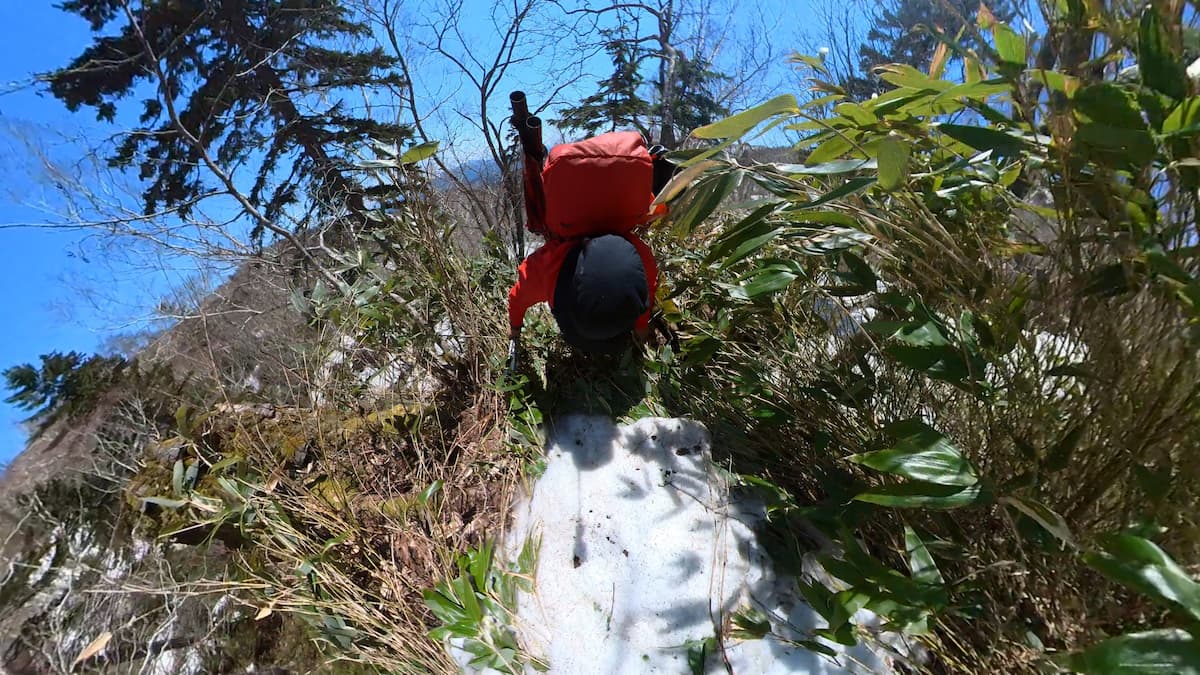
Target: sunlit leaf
<point>920,562</point>
<point>705,197</point>
<point>165,502</point>
<point>903,75</point>
<point>828,168</point>
<point>1009,45</point>
<point>915,494</point>
<point>1163,651</point>
<point>921,453</point>
<point>419,152</point>
<point>738,125</point>
<point>750,624</point>
<point>1044,515</point>
<point>1146,568</point>
<point>1184,118</point>
<point>1055,80</point>
<point>837,144</point>
<point>769,280</point>
<point>893,163</point>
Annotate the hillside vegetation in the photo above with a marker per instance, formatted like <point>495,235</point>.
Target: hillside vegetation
<point>957,336</point>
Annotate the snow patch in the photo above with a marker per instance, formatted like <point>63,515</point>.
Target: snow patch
<point>643,549</point>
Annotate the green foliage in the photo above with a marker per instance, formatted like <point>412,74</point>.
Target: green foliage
<point>478,605</point>
<point>65,386</point>
<point>906,32</point>
<point>1141,565</point>
<point>1157,651</point>
<point>681,96</point>
<point>253,81</point>
<point>618,102</point>
<point>907,271</point>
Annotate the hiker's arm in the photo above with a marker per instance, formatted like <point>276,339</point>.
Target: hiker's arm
<point>642,327</point>
<point>535,283</point>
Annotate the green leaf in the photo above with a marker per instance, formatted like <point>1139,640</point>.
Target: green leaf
<point>750,624</point>
<point>1167,651</point>
<point>1160,67</point>
<point>1141,565</point>
<point>738,125</point>
<point>817,63</point>
<point>1059,455</point>
<point>707,195</point>
<point>893,163</point>
<point>860,275</point>
<point>181,418</point>
<point>855,113</point>
<point>984,138</point>
<point>920,562</point>
<point>834,608</point>
<point>1130,148</point>
<point>1055,80</point>
<point>852,186</point>
<point>1184,118</point>
<point>747,236</point>
<point>750,246</point>
<point>814,646</point>
<point>697,653</point>
<point>827,168</point>
<point>1110,105</point>
<point>465,595</point>
<point>921,453</point>
<point>419,152</point>
<point>837,144</point>
<point>769,280</point>
<point>225,464</point>
<point>481,564</point>
<point>903,75</point>
<point>1009,45</point>
<point>700,349</point>
<point>916,494</point>
<point>1044,515</point>
<point>377,164</point>
<point>430,492</point>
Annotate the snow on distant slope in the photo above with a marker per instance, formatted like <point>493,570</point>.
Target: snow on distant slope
<point>642,550</point>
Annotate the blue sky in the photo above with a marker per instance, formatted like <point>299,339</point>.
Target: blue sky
<point>35,263</point>
<point>62,291</point>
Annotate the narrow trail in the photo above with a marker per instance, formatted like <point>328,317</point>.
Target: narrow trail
<point>644,551</point>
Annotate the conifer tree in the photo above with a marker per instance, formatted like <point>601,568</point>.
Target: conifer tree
<point>901,33</point>
<point>253,85</point>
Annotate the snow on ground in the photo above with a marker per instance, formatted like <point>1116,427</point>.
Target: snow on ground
<point>642,550</point>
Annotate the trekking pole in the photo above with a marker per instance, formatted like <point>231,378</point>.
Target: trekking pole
<point>529,127</point>
<point>529,133</point>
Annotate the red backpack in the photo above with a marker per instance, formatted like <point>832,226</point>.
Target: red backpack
<point>603,185</point>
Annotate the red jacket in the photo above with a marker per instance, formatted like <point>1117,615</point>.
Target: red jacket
<point>538,275</point>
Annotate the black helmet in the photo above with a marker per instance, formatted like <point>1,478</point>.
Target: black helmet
<point>600,293</point>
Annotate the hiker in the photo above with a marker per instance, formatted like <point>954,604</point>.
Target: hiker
<point>599,290</point>
<point>598,277</point>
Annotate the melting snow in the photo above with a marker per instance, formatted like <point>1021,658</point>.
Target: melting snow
<point>642,550</point>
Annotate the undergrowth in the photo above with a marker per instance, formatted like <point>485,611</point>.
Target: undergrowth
<point>959,339</point>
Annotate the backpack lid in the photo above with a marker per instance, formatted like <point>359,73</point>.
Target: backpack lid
<point>602,185</point>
